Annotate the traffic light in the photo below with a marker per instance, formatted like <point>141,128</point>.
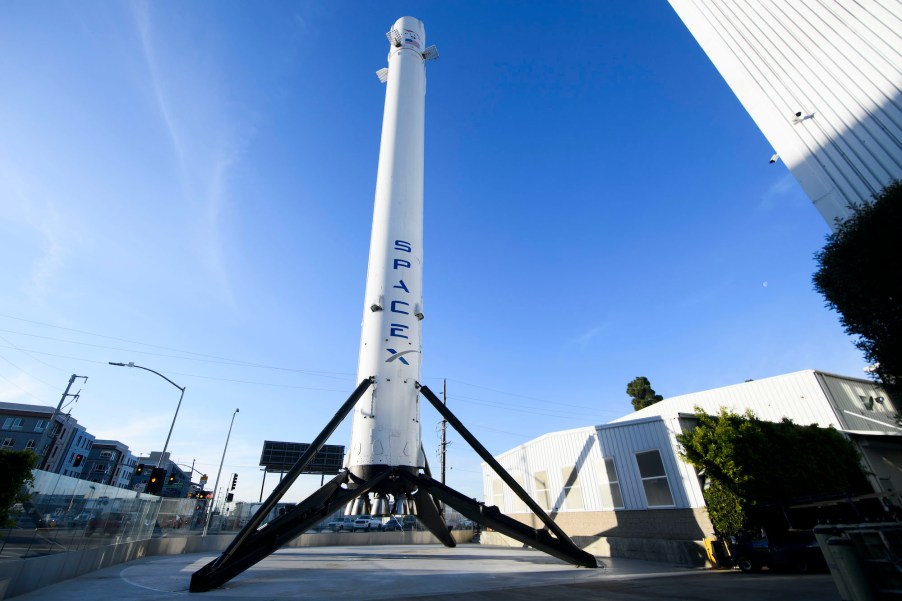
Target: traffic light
<point>155,484</point>
<point>234,481</point>
<point>139,470</point>
<point>229,497</point>
<point>172,478</point>
<point>78,460</point>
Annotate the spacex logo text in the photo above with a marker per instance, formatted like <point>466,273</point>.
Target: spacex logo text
<point>399,306</point>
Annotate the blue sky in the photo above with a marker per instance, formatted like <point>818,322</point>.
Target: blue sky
<point>189,186</point>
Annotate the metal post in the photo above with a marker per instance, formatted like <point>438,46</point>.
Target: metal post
<point>262,485</point>
<point>171,426</point>
<point>444,426</point>
<point>444,444</point>
<point>218,474</point>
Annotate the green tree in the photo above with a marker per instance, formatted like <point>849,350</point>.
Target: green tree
<point>642,393</point>
<point>748,462</point>
<point>15,471</point>
<point>858,276</point>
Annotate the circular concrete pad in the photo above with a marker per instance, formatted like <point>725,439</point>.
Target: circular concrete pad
<point>350,573</point>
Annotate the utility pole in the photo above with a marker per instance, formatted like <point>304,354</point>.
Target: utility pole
<point>444,427</point>
<point>45,448</point>
<point>444,442</point>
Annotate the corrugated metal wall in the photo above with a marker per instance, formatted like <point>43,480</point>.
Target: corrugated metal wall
<point>624,441</point>
<point>552,456</point>
<point>805,397</point>
<point>798,396</point>
<point>838,63</point>
<point>860,405</point>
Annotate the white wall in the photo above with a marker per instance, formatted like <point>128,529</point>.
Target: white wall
<point>585,450</point>
<point>838,63</point>
<point>806,397</point>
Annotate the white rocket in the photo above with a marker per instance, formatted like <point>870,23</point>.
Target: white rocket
<point>386,424</point>
<point>385,456</point>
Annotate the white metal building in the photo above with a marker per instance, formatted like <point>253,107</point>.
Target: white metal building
<point>622,488</point>
<point>822,82</point>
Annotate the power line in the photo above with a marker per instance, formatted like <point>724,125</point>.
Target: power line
<point>522,396</point>
<point>462,398</point>
<point>526,409</point>
<point>216,359</point>
<point>177,373</point>
<point>205,358</point>
<point>25,372</point>
<point>5,339</point>
<point>42,401</point>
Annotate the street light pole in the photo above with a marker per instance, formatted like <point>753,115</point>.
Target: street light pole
<point>218,474</point>
<point>177,407</point>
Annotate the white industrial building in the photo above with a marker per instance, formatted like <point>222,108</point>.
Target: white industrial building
<point>822,82</point>
<point>621,489</point>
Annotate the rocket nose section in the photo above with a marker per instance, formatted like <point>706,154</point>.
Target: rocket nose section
<point>408,32</point>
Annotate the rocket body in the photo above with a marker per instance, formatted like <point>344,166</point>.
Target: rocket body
<point>386,424</point>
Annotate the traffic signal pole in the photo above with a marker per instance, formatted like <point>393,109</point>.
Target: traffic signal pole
<point>218,474</point>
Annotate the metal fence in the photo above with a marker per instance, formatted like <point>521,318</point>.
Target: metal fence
<point>67,514</point>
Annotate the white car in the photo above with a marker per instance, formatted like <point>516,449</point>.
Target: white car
<point>366,523</point>
<point>339,524</point>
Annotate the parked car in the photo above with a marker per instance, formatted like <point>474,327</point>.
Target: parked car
<point>366,523</point>
<point>108,524</point>
<point>793,550</point>
<point>341,524</point>
<point>80,520</point>
<point>48,521</point>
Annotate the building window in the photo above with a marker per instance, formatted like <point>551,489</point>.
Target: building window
<point>106,454</point>
<point>542,497</point>
<point>99,467</point>
<point>40,425</point>
<point>9,443</point>
<point>12,423</point>
<point>654,479</point>
<point>30,444</point>
<point>609,484</point>
<point>498,493</point>
<point>518,506</point>
<point>573,492</point>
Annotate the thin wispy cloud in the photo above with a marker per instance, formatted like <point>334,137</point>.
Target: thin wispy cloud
<point>52,259</point>
<point>784,190</point>
<point>143,20</point>
<point>53,229</point>
<point>204,136</point>
<point>583,340</point>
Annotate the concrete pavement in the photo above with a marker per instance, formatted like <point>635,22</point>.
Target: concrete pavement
<point>471,572</point>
